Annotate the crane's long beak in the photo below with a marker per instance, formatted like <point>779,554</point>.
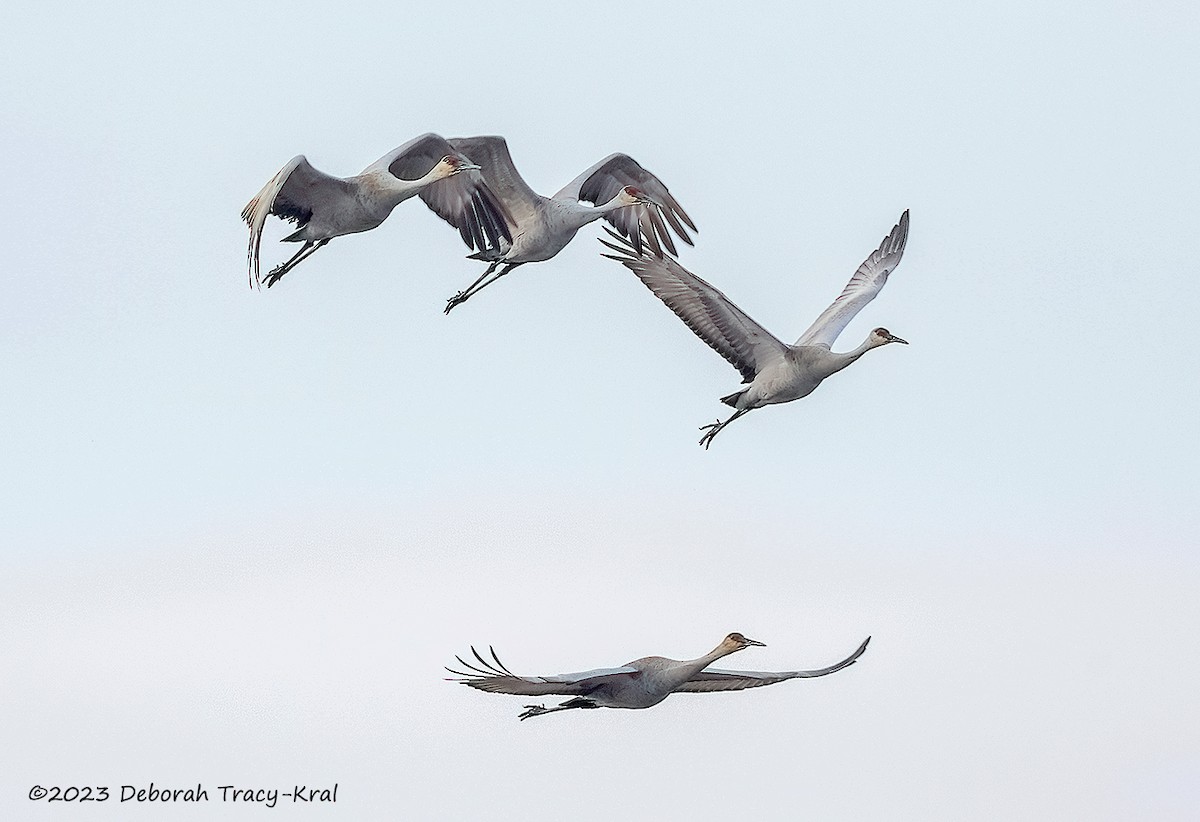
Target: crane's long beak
<point>749,641</point>
<point>894,338</point>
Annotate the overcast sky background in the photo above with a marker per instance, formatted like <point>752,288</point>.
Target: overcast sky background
<point>244,530</point>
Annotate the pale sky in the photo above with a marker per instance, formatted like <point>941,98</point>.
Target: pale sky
<point>243,531</point>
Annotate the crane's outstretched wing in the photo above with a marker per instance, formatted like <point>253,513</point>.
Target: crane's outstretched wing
<point>294,194</point>
<point>861,289</point>
<point>603,181</point>
<point>502,178</point>
<point>714,679</point>
<point>463,200</point>
<point>495,678</point>
<point>744,343</point>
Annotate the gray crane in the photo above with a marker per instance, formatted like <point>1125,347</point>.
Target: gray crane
<point>642,683</point>
<point>776,372</point>
<point>620,190</point>
<point>324,207</point>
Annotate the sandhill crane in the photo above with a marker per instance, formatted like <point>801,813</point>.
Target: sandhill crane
<point>325,207</point>
<point>642,683</point>
<point>622,192</point>
<point>777,372</point>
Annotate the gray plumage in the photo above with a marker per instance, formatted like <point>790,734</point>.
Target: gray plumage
<point>642,683</point>
<point>323,206</point>
<point>617,189</point>
<point>776,372</point>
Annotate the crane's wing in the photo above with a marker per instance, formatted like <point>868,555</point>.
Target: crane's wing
<point>603,181</point>
<point>495,678</point>
<point>463,200</point>
<point>295,194</point>
<point>714,679</point>
<point>744,343</point>
<point>861,289</point>
<point>502,178</point>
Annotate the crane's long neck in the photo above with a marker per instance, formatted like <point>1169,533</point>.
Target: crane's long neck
<point>839,361</point>
<point>697,665</point>
<point>579,214</point>
<point>395,190</point>
<point>677,673</point>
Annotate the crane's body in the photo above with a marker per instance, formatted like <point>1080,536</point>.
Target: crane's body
<point>559,220</point>
<point>372,196</point>
<point>324,206</point>
<point>642,683</point>
<point>617,189</point>
<point>775,371</point>
<point>795,374</point>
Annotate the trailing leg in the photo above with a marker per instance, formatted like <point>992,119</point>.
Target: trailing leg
<point>479,285</point>
<point>538,710</point>
<point>713,429</point>
<point>274,275</point>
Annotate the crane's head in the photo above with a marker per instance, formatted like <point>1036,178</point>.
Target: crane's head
<point>737,642</point>
<point>632,195</point>
<point>881,336</point>
<point>453,164</point>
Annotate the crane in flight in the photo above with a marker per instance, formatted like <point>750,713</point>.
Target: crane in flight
<point>618,189</point>
<point>324,207</point>
<point>642,683</point>
<point>776,372</point>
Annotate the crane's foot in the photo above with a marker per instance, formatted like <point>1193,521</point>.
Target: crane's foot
<point>711,431</point>
<point>275,275</point>
<point>457,299</point>
<point>533,710</point>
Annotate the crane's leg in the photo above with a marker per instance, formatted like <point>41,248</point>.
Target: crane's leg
<point>307,249</point>
<point>466,292</point>
<point>713,429</point>
<point>538,710</point>
<point>479,285</point>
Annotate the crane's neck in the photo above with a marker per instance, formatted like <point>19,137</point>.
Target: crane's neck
<point>724,649</point>
<point>396,190</point>
<point>579,214</point>
<point>677,673</point>
<point>839,361</point>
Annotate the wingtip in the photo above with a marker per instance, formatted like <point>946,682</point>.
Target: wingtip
<point>624,245</point>
<point>898,236</point>
<point>615,248</point>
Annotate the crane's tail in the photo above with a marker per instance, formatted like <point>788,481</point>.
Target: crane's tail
<point>733,398</point>
<point>488,255</point>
